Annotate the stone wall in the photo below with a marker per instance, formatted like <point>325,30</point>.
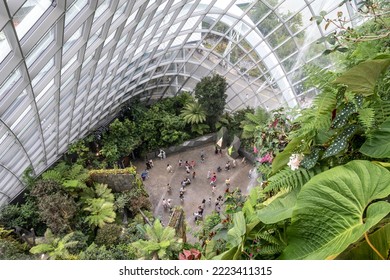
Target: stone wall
<point>197,142</point>
<point>178,222</point>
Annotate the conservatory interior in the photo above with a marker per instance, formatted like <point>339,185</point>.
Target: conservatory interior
<point>194,130</point>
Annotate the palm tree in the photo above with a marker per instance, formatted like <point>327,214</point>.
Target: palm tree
<point>252,121</point>
<point>193,113</point>
<point>101,212</point>
<point>160,243</point>
<point>55,247</point>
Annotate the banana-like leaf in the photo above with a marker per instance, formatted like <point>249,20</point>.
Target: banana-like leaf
<point>362,78</point>
<point>279,209</point>
<point>378,146</point>
<point>335,208</point>
<point>236,233</point>
<point>380,239</point>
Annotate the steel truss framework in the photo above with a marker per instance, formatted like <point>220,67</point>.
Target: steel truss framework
<point>68,66</point>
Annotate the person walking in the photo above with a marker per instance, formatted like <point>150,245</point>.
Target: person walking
<point>208,174</point>
<point>164,203</point>
<point>227,182</point>
<point>193,175</point>
<point>169,168</point>
<point>181,195</point>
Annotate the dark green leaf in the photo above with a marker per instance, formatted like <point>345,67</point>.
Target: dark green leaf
<point>378,146</point>
<point>362,77</point>
<point>340,142</point>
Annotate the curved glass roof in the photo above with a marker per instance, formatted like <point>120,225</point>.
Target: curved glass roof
<point>67,66</point>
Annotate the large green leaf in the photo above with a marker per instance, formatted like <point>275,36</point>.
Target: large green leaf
<point>335,208</point>
<point>362,78</point>
<point>279,209</point>
<point>236,233</point>
<point>378,146</point>
<point>380,239</point>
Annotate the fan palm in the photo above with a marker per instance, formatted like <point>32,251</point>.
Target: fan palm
<point>193,113</point>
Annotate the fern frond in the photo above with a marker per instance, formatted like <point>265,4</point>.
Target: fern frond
<point>271,250</point>
<point>382,110</point>
<point>319,116</point>
<point>53,175</point>
<point>265,235</point>
<point>367,117</point>
<point>265,170</point>
<point>287,178</point>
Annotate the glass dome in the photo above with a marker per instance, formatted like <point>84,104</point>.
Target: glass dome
<point>68,66</point>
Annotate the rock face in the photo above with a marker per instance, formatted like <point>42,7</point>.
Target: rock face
<point>177,221</point>
<point>118,180</point>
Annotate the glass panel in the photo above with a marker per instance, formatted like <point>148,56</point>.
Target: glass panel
<point>9,83</point>
<point>100,10</point>
<point>12,109</point>
<point>28,15</point>
<point>5,48</point>
<point>74,10</point>
<point>119,12</point>
<point>43,92</point>
<point>40,48</point>
<point>72,39</point>
<point>94,37</point>
<point>43,72</point>
<point>67,65</point>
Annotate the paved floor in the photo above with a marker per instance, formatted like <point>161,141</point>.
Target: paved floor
<point>199,188</point>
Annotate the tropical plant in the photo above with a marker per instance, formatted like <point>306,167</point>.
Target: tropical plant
<point>192,254</point>
<point>95,252</point>
<point>108,235</point>
<point>253,121</point>
<point>24,215</point>
<point>345,36</point>
<point>210,94</point>
<point>336,208</point>
<point>100,211</point>
<point>193,113</point>
<point>161,242</point>
<point>56,207</point>
<point>10,249</point>
<point>55,247</point>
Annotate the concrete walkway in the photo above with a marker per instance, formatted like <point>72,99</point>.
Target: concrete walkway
<point>199,188</point>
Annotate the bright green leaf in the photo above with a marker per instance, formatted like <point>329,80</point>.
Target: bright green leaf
<point>279,209</point>
<point>380,239</point>
<point>335,208</point>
